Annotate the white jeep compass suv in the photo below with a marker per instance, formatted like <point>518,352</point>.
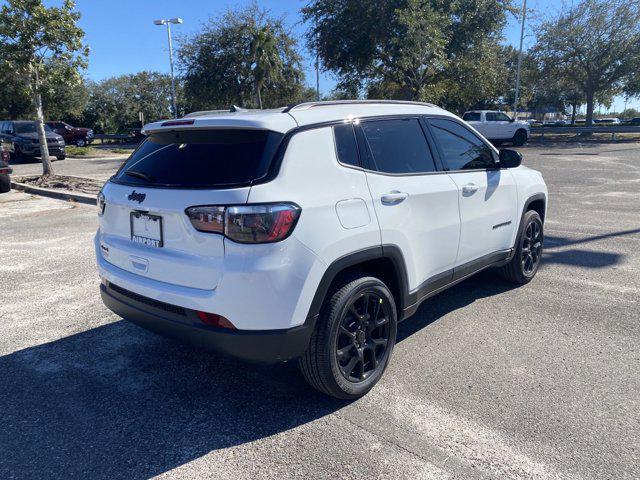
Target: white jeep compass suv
<point>309,232</point>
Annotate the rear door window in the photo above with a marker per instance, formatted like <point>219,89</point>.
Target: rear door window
<point>471,117</point>
<point>497,117</point>
<point>460,148</point>
<point>201,158</point>
<point>398,146</point>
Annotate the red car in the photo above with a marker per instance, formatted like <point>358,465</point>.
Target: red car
<point>72,135</point>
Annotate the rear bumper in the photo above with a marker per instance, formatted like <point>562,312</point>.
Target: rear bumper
<point>261,346</point>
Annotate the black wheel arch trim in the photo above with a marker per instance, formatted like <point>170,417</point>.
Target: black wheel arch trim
<point>389,252</point>
<point>525,209</point>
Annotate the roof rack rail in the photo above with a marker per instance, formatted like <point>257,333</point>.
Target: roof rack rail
<point>308,105</point>
<point>232,109</point>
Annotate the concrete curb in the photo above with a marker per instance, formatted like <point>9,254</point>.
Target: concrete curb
<point>58,194</point>
<point>102,157</point>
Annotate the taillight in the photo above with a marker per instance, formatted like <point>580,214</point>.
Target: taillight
<point>265,223</point>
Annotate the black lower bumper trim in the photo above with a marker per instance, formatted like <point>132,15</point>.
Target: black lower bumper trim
<point>261,346</point>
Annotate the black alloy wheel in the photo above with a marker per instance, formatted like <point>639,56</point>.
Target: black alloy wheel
<point>363,336</point>
<point>353,338</point>
<point>531,247</point>
<point>525,262</point>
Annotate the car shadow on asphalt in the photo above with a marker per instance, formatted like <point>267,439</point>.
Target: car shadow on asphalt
<point>485,284</point>
<point>119,402</point>
<point>581,257</point>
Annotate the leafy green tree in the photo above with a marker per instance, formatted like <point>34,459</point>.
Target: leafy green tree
<point>246,58</point>
<point>596,46</point>
<point>15,99</point>
<point>267,64</point>
<point>44,46</point>
<point>630,113</point>
<point>430,50</point>
<point>114,104</point>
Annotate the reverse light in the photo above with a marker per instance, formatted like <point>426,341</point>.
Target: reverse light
<point>264,223</point>
<point>100,203</point>
<point>214,320</point>
<point>207,219</point>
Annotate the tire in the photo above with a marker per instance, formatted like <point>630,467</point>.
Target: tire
<point>519,138</point>
<point>16,155</point>
<point>61,157</point>
<point>356,337</point>
<point>5,184</point>
<point>526,260</point>
<point>81,142</point>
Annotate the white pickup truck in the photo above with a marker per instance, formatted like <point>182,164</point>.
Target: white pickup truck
<point>498,126</point>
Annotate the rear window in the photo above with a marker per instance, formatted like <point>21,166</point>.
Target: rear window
<point>199,159</point>
<point>471,117</point>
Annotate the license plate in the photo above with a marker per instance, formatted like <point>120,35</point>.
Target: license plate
<point>146,229</point>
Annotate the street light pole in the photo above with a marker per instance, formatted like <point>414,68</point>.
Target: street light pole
<point>317,67</point>
<point>515,101</point>
<point>168,23</point>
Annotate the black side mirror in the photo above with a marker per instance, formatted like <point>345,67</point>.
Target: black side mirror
<point>510,158</point>
<point>512,119</point>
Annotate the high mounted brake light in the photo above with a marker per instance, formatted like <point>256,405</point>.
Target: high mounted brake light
<point>175,123</point>
<point>264,223</point>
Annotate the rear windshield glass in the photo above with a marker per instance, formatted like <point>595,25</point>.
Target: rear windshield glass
<point>205,158</point>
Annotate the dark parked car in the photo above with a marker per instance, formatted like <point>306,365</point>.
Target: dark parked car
<point>634,121</point>
<point>5,170</point>
<point>137,135</point>
<point>23,137</point>
<point>72,135</point>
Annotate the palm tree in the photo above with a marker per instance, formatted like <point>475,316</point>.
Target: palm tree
<point>266,61</point>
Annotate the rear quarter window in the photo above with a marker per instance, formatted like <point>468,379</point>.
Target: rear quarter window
<point>346,146</point>
<point>201,159</point>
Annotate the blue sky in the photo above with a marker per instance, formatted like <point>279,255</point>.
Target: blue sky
<point>123,38</point>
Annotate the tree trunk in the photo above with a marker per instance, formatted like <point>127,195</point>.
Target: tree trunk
<point>590,104</point>
<point>47,169</point>
<point>574,108</point>
<point>258,96</point>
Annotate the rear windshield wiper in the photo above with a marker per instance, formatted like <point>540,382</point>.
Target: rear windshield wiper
<point>136,174</point>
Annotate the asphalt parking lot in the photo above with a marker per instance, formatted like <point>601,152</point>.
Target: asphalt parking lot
<point>97,168</point>
<point>487,381</point>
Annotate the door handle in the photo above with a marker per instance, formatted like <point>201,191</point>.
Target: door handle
<point>470,189</point>
<point>393,198</point>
